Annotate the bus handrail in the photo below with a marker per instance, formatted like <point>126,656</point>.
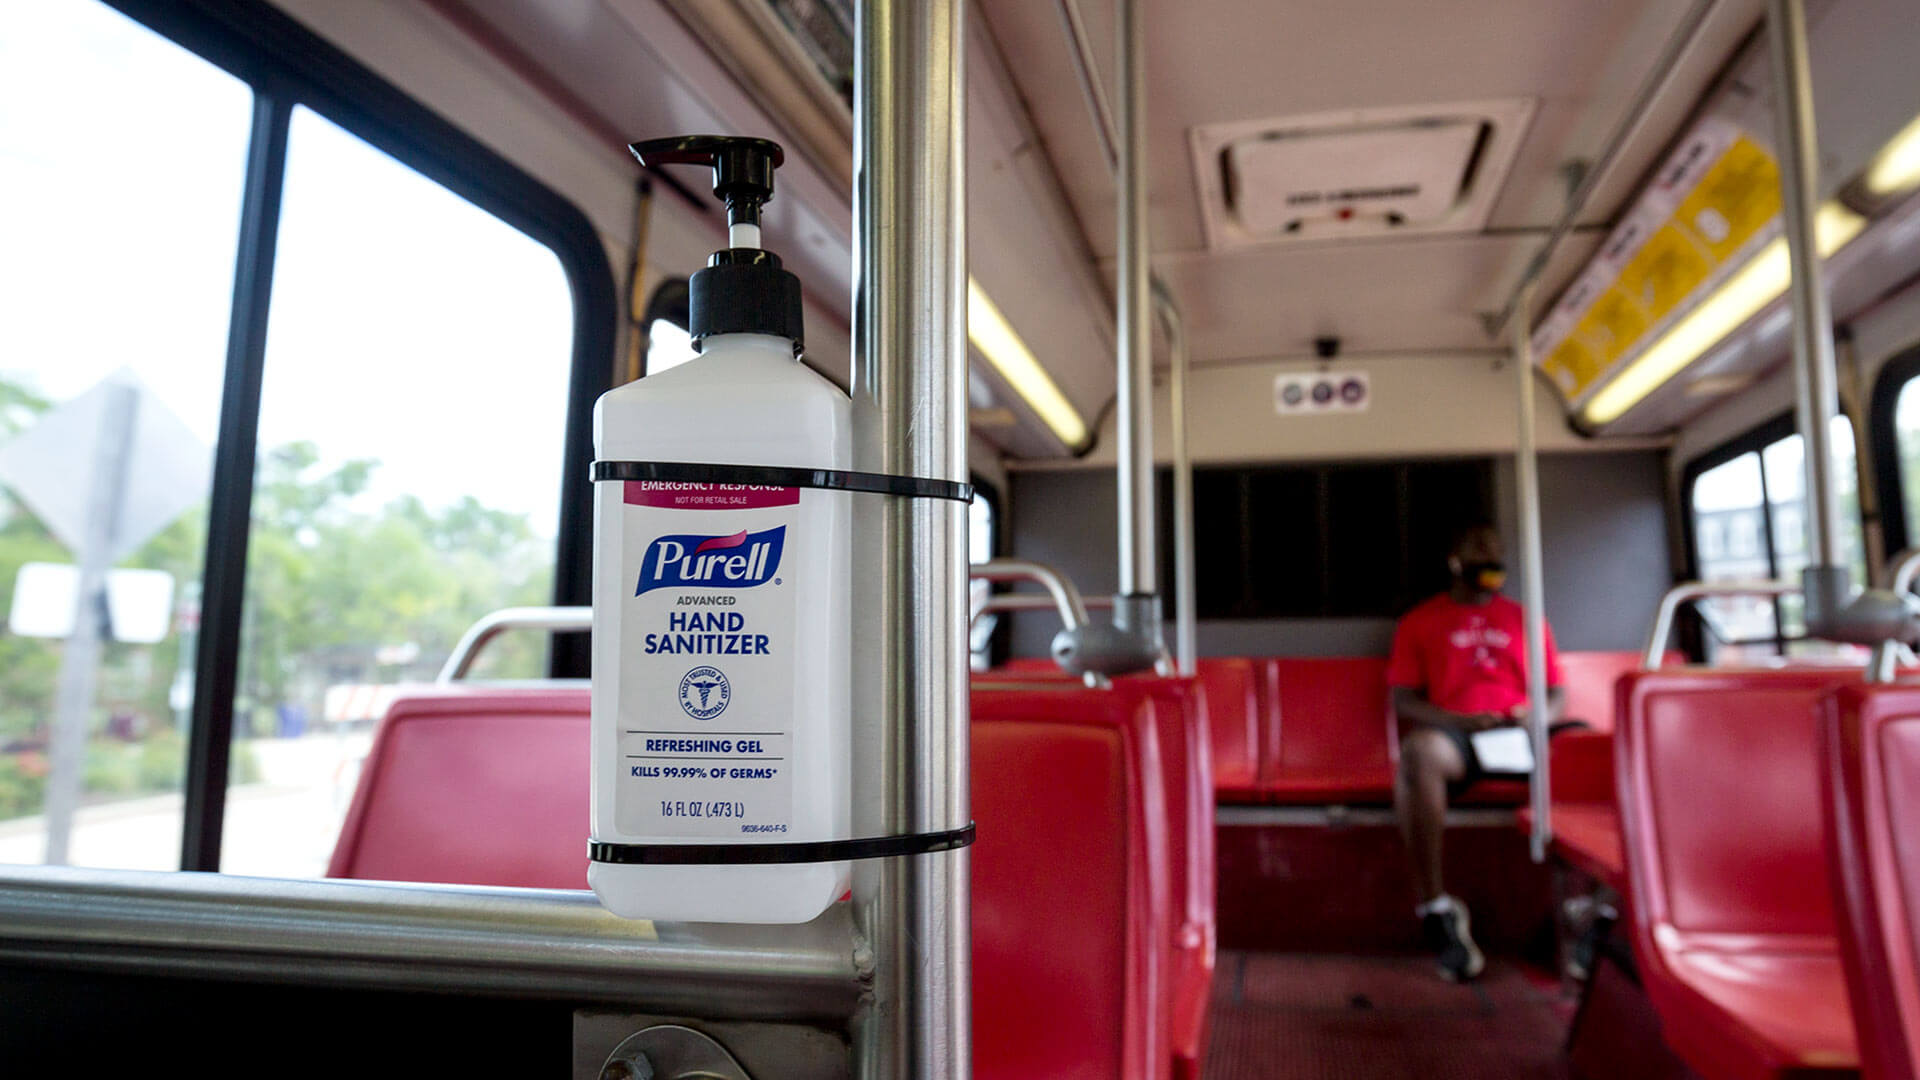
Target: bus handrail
<point>1010,603</point>
<point>424,937</point>
<point>1066,598</point>
<point>493,624</point>
<point>1906,567</point>
<point>1687,593</point>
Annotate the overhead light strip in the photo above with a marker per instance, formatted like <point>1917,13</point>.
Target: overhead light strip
<point>996,339</point>
<point>1897,167</point>
<point>1739,298</point>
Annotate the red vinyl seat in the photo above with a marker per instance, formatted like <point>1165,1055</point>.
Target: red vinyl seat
<point>1234,711</point>
<point>1070,889</point>
<point>1732,923</point>
<point>1870,743</point>
<point>1327,731</point>
<point>1585,819</point>
<point>480,786</point>
<point>1176,708</point>
<point>1589,679</point>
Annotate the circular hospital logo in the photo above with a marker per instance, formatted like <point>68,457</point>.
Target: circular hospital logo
<point>704,693</point>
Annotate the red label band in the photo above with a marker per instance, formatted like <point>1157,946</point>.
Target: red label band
<point>674,496</point>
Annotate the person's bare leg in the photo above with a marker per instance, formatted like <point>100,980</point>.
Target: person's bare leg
<point>1428,761</point>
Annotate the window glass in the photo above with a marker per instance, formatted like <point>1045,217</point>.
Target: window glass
<point>980,541</point>
<point>1729,528</point>
<point>122,157</point>
<point>411,435</point>
<point>668,346</point>
<point>1733,505</point>
<point>1906,436</point>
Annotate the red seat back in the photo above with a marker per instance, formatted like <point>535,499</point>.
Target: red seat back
<point>1069,887</point>
<point>477,786</point>
<point>1233,719</point>
<point>1589,678</point>
<point>1721,803</point>
<point>1332,729</point>
<point>1871,747</point>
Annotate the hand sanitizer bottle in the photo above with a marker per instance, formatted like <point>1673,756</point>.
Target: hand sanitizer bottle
<point>720,602</point>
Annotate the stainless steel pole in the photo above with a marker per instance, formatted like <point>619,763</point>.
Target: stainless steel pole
<point>1184,645</point>
<point>1533,586</point>
<point>1138,609</point>
<point>910,655</point>
<point>1816,384</point>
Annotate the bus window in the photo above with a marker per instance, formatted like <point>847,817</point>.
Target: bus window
<point>124,157</point>
<point>411,438</point>
<point>1749,519</point>
<point>980,542</point>
<point>1906,438</point>
<point>668,346</point>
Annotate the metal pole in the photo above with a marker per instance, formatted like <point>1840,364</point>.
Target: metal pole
<point>1816,384</point>
<point>1533,586</point>
<point>80,658</point>
<point>1139,608</point>
<point>1184,649</point>
<point>910,655</point>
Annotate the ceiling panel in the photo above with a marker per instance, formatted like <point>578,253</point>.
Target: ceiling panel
<point>1381,296</point>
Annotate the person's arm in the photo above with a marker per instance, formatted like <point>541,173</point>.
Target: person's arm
<point>1556,706</point>
<point>1414,710</point>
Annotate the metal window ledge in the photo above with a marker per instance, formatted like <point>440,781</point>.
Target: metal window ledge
<point>526,943</point>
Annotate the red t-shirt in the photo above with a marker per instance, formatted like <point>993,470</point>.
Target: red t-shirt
<point>1467,658</point>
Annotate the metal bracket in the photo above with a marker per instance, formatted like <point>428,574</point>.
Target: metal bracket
<point>670,1052</point>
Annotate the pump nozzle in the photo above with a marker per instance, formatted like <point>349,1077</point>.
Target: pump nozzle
<point>743,289</point>
<point>742,174</point>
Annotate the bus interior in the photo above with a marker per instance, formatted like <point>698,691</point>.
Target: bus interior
<point>1233,315</point>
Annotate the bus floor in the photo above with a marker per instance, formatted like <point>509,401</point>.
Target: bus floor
<point>1308,1016</point>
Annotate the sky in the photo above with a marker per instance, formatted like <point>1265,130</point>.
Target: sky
<point>407,324</point>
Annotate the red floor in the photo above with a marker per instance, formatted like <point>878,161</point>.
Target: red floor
<point>1289,1016</point>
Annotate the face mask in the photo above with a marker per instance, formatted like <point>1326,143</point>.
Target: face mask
<point>1486,576</point>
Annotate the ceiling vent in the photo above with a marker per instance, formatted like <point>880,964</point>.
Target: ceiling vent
<point>1360,173</point>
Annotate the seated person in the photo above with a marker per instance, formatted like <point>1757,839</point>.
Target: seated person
<point>1459,666</point>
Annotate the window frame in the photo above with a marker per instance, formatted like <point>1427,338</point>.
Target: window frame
<point>286,65</point>
<point>1883,439</point>
<point>1755,441</point>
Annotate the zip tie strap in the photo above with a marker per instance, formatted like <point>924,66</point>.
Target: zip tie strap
<point>685,472</point>
<point>816,851</point>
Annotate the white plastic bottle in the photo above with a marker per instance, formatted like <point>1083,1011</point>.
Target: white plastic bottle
<point>720,614</point>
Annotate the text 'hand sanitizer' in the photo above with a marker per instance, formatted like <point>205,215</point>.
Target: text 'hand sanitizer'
<point>720,598</point>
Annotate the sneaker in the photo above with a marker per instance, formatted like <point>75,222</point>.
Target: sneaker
<point>1450,934</point>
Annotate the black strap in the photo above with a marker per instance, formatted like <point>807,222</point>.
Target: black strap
<point>817,851</point>
<point>686,472</point>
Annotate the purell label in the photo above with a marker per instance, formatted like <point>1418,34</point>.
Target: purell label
<point>707,666</point>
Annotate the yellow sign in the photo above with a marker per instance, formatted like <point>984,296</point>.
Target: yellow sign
<point>1664,272</point>
<point>1728,200</point>
<point>1734,200</point>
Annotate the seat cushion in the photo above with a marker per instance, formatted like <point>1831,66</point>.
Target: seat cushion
<point>1586,835</point>
<point>1747,1014</point>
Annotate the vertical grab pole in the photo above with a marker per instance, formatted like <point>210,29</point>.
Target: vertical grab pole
<point>1184,649</point>
<point>1815,381</point>
<point>1532,575</point>
<point>910,652</point>
<point>1137,608</point>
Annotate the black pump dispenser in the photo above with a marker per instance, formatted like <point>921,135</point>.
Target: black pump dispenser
<point>742,290</point>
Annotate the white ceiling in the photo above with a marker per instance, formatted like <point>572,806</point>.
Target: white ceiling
<point>1041,242</point>
<point>1224,61</point>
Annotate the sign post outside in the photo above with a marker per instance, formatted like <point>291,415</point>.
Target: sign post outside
<point>103,472</point>
<point>79,661</point>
